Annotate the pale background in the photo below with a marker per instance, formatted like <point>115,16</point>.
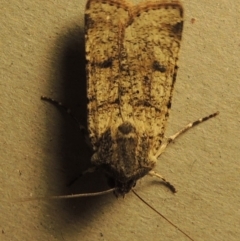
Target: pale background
<point>41,148</point>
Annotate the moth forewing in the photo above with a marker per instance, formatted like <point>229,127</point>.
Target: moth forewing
<point>152,56</point>
<point>132,54</point>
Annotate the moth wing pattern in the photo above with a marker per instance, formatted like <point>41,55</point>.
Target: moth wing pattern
<point>132,54</point>
<point>151,42</point>
<point>102,23</point>
<point>137,52</point>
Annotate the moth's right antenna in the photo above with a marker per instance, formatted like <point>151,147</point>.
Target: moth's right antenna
<point>162,215</point>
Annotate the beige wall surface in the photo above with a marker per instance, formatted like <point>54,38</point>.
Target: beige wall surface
<point>41,148</point>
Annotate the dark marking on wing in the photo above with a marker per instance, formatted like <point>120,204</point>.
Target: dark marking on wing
<point>158,67</point>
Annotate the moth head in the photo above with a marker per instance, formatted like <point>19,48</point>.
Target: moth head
<point>121,188</point>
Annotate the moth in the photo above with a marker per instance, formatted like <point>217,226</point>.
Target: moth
<point>131,61</point>
<point>132,54</point>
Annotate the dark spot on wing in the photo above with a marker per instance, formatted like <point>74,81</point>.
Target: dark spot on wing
<point>158,67</point>
<point>106,63</point>
<point>169,104</point>
<point>177,30</point>
<point>126,128</point>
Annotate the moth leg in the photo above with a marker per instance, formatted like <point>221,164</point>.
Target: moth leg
<point>69,112</point>
<point>89,170</point>
<point>168,184</point>
<point>187,127</point>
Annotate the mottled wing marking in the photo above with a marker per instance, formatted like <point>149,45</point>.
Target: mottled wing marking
<point>103,21</point>
<point>149,65</point>
<point>132,66</point>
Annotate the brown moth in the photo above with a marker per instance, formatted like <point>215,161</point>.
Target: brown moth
<point>132,54</point>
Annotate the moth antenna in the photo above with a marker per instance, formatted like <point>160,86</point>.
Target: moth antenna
<point>155,210</point>
<point>67,196</point>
